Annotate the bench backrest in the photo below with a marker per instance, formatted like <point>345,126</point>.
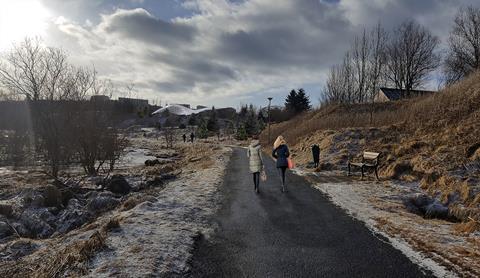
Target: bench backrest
<point>371,156</point>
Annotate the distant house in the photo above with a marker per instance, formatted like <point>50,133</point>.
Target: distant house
<point>184,105</point>
<point>201,107</point>
<point>390,94</point>
<point>100,98</point>
<point>136,103</point>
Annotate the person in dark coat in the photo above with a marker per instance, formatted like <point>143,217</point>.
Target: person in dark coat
<point>281,154</point>
<point>192,136</point>
<point>316,155</point>
<point>184,138</point>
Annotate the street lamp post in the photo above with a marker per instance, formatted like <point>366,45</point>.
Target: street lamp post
<point>269,102</point>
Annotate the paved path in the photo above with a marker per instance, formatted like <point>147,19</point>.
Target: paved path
<point>296,234</point>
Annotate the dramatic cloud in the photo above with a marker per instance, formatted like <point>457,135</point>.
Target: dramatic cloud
<point>224,52</point>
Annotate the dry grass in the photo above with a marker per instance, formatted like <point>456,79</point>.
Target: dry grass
<point>433,139</point>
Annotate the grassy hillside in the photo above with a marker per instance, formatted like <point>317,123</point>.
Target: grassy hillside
<point>434,140</point>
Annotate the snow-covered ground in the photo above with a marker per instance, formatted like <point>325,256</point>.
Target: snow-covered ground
<point>430,243</point>
<point>156,237</point>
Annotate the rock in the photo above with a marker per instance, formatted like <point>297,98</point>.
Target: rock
<point>21,229</point>
<point>52,196</point>
<point>6,210</point>
<point>33,199</point>
<point>119,185</point>
<point>38,222</point>
<point>157,181</point>
<point>152,162</point>
<point>436,210</point>
<point>91,195</point>
<point>426,206</point>
<point>67,194</point>
<point>5,230</point>
<point>102,203</point>
<point>72,217</point>
<point>421,200</point>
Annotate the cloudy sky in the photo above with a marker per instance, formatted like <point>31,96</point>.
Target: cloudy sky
<point>213,52</point>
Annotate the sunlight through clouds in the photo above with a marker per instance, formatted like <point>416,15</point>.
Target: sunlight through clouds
<point>21,18</point>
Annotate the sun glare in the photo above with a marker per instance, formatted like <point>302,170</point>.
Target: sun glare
<point>21,18</point>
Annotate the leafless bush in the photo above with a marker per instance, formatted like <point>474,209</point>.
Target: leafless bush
<point>169,134</point>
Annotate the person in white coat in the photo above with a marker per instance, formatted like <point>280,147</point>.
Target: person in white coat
<point>254,154</point>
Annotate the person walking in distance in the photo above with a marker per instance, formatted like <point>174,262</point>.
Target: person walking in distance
<point>192,136</point>
<point>184,138</point>
<point>316,155</point>
<point>254,154</point>
<point>281,154</point>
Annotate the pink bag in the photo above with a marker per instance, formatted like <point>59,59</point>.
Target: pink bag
<point>291,165</point>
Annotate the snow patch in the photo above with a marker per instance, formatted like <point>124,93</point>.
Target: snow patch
<point>353,198</point>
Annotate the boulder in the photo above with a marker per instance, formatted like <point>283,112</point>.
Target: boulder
<point>67,194</point>
<point>52,196</point>
<point>436,210</point>
<point>72,217</point>
<point>33,199</point>
<point>118,185</point>
<point>39,222</point>
<point>5,230</point>
<point>101,204</point>
<point>21,229</point>
<point>426,206</point>
<point>6,210</point>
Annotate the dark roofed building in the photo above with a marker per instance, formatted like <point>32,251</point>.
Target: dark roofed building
<point>99,98</point>
<point>390,94</point>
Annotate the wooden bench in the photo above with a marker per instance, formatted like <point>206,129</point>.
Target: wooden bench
<point>369,161</point>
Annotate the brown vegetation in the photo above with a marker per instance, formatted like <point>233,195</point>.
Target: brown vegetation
<point>432,139</point>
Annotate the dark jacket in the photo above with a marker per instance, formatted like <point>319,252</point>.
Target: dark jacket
<point>316,153</point>
<point>281,154</point>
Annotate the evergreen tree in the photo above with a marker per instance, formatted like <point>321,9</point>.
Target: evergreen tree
<point>202,131</point>
<point>212,124</point>
<point>297,102</point>
<point>251,121</point>
<point>192,120</point>
<point>241,133</point>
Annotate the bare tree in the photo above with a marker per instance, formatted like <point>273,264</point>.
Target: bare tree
<point>463,56</point>
<point>411,56</point>
<point>66,127</point>
<point>360,59</point>
<point>377,60</point>
<point>359,76</point>
<point>25,71</point>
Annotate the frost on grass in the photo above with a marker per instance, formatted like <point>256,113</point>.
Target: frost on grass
<point>432,243</point>
<point>156,237</point>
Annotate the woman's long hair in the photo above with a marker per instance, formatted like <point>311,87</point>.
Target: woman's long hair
<point>280,141</point>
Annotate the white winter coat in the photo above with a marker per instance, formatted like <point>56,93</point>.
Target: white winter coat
<point>254,153</point>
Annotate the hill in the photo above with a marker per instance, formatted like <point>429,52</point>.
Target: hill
<point>433,140</point>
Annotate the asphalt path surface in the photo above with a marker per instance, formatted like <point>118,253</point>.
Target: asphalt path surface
<point>295,234</point>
